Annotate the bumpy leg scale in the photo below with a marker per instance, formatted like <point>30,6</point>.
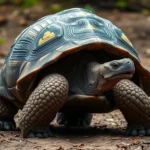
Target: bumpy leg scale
<point>42,106</point>
<point>135,106</point>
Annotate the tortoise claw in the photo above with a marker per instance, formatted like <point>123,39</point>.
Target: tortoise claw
<point>138,131</point>
<point>39,133</point>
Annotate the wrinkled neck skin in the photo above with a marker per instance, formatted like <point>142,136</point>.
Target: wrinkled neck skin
<point>91,79</point>
<point>86,78</point>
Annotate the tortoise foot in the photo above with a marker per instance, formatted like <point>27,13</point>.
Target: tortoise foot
<point>134,104</point>
<point>39,133</point>
<point>138,131</point>
<point>7,124</point>
<point>75,119</point>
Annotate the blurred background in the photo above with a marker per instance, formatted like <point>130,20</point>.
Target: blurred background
<point>132,16</point>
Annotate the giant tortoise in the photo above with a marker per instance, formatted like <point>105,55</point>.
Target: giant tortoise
<point>73,63</point>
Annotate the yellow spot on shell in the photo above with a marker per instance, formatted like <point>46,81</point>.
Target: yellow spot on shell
<point>124,37</point>
<point>47,36</point>
<point>90,27</point>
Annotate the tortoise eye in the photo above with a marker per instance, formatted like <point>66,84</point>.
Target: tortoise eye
<point>115,65</point>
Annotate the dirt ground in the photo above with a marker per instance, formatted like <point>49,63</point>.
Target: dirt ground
<point>107,131</point>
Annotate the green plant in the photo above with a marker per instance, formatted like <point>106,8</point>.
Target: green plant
<point>28,3</point>
<point>2,1</point>
<point>55,8</point>
<point>145,11</point>
<point>122,4</point>
<point>89,7</point>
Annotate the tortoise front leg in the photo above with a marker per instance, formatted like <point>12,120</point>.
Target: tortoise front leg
<point>135,106</point>
<point>7,112</point>
<point>42,106</point>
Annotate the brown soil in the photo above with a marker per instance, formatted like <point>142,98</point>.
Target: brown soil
<point>107,131</point>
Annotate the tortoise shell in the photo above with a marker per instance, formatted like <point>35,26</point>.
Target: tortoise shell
<point>55,36</point>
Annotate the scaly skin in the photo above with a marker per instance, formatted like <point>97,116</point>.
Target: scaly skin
<point>7,112</point>
<point>135,106</point>
<point>42,106</point>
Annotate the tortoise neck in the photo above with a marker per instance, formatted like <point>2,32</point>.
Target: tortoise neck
<point>92,79</point>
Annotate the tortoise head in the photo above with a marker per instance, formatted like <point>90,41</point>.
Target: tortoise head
<point>114,71</point>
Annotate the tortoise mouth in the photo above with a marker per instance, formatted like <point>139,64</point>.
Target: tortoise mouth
<point>124,75</point>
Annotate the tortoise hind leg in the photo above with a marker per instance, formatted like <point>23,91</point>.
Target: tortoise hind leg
<point>7,112</point>
<point>135,106</point>
<point>74,119</point>
<point>42,106</point>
